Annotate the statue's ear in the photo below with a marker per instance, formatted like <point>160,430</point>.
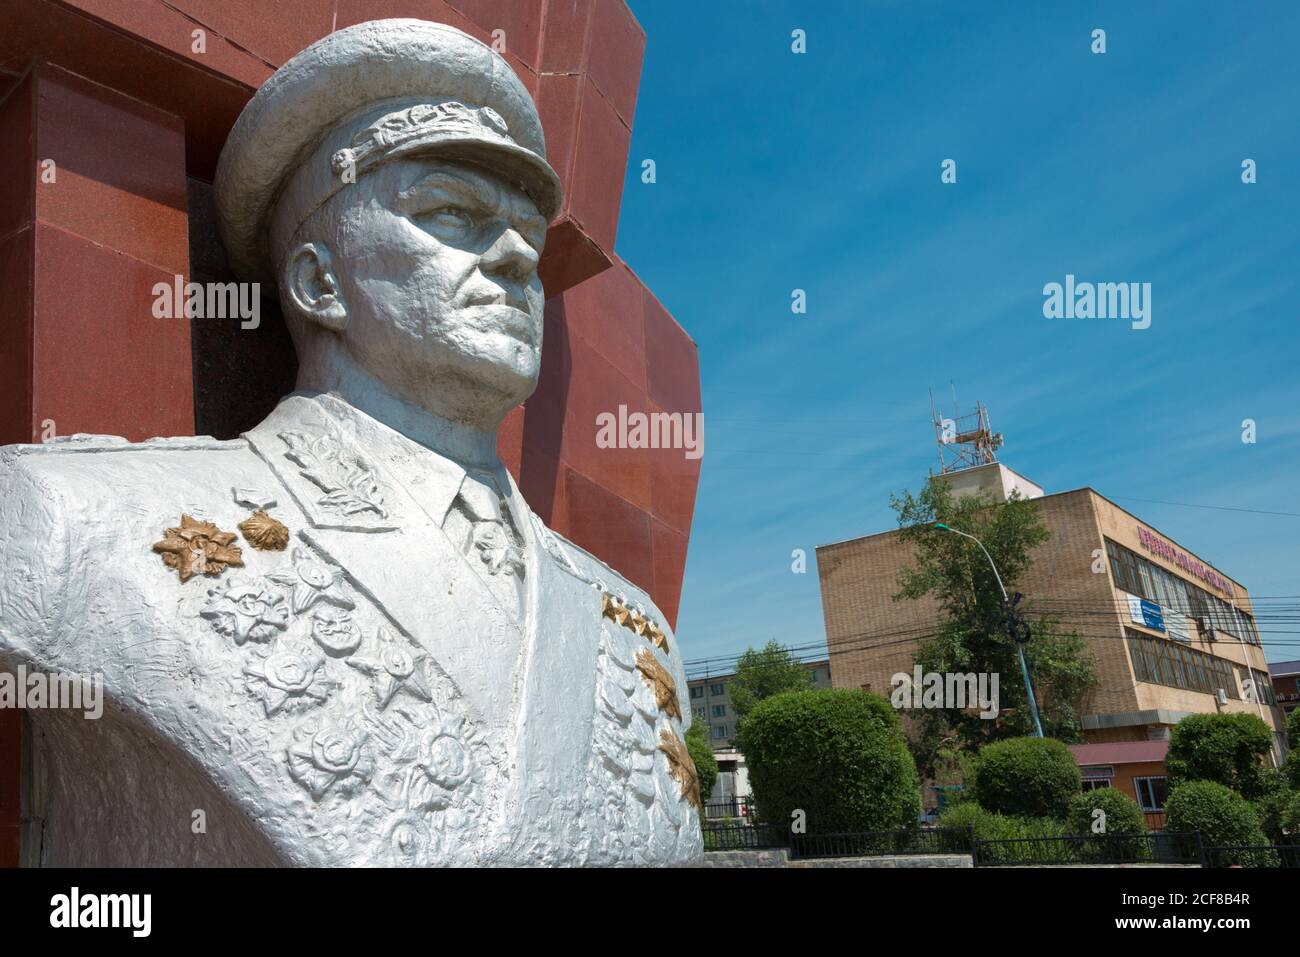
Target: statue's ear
<point>313,287</point>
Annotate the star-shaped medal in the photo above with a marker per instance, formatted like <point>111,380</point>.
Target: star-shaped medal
<point>198,548</point>
<point>394,669</point>
<point>497,551</point>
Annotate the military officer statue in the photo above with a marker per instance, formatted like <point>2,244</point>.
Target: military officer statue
<point>344,638</point>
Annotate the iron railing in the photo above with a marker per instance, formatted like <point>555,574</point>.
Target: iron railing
<point>743,837</point>
<point>936,840</point>
<point>1255,855</point>
<point>1163,848</point>
<point>736,807</point>
<point>1152,848</point>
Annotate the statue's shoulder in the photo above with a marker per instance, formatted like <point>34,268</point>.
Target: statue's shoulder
<point>87,478</point>
<point>84,442</point>
<point>616,591</point>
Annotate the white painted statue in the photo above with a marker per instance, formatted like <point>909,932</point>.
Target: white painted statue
<point>344,638</point>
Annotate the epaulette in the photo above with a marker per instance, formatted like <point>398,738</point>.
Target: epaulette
<point>85,442</point>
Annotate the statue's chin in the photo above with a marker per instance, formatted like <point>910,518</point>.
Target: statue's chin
<point>501,368</point>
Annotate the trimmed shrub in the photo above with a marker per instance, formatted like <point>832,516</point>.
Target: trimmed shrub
<point>988,825</point>
<point>1026,777</point>
<point>1293,744</point>
<point>1228,749</point>
<point>1272,803</point>
<point>839,755</point>
<point>1123,817</point>
<point>706,765</point>
<point>1038,827</point>
<point>1288,824</point>
<point>1224,818</point>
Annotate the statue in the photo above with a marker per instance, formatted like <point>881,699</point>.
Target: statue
<point>344,638</point>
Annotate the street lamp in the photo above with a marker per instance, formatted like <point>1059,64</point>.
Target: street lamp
<point>1020,651</point>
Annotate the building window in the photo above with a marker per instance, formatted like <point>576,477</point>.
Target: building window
<point>1151,793</point>
<point>699,713</point>
<point>1091,784</point>
<point>697,691</point>
<point>719,710</point>
<point>1138,576</point>
<point>720,731</point>
<point>1162,662</point>
<point>1263,688</point>
<point>717,689</point>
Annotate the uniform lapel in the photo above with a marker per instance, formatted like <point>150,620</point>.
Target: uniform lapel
<point>394,553</point>
<point>553,725</point>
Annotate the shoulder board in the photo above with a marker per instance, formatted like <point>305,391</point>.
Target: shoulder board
<point>83,442</point>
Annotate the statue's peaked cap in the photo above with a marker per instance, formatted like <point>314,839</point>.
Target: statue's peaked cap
<point>338,76</point>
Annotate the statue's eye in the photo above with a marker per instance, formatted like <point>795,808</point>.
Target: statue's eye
<point>449,217</point>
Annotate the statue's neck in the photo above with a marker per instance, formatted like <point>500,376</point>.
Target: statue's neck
<point>337,374</point>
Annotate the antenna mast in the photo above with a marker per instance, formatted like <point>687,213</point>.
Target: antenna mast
<point>964,441</point>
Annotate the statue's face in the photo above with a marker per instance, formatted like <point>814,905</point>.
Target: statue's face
<point>437,266</point>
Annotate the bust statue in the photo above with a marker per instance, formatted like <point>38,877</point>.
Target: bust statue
<point>344,638</point>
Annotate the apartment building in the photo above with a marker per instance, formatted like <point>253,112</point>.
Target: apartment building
<point>1169,632</point>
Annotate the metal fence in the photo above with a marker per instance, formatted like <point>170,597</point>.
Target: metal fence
<point>1263,855</point>
<point>1153,848</point>
<point>742,808</point>
<point>936,840</point>
<point>1163,848</point>
<point>731,836</point>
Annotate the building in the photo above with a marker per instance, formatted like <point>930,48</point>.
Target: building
<point>711,704</point>
<point>1286,684</point>
<point>1169,633</point>
<point>1136,768</point>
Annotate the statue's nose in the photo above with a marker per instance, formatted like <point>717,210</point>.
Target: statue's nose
<point>510,257</point>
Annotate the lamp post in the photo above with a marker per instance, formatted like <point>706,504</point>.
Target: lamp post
<point>1020,651</point>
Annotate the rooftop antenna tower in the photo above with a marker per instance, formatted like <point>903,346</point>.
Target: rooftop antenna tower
<point>964,441</point>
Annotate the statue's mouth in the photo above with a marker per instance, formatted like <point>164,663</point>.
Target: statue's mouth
<point>502,316</point>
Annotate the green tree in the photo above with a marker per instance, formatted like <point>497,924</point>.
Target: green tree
<point>1293,745</point>
<point>972,636</point>
<point>837,755</point>
<point>1229,749</point>
<point>762,674</point>
<point>1272,803</point>
<point>706,765</point>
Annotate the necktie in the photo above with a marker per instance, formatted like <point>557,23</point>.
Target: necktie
<point>489,539</point>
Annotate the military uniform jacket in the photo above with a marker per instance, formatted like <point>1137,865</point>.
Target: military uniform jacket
<point>351,692</point>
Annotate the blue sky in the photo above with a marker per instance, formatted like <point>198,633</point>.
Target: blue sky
<point>821,171</point>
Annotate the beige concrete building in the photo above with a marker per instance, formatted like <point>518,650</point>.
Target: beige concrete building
<point>1169,633</point>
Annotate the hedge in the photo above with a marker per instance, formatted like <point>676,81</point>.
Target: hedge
<point>1026,777</point>
<point>1224,818</point>
<point>1123,818</point>
<point>1228,749</point>
<point>836,754</point>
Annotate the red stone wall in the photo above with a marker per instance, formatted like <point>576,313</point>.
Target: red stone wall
<point>134,116</point>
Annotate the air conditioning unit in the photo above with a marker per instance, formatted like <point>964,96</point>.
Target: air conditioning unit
<point>1222,696</point>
